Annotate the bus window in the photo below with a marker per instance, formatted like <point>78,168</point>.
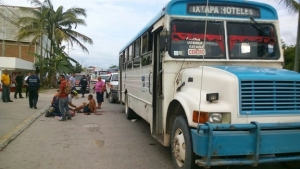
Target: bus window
<point>147,60</point>
<point>130,55</point>
<point>150,41</point>
<point>252,41</point>
<point>145,43</point>
<point>188,39</point>
<point>126,55</point>
<point>137,48</point>
<point>136,62</point>
<point>129,65</point>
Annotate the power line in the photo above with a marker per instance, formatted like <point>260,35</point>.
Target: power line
<point>8,19</point>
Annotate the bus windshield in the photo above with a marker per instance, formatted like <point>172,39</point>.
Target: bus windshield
<point>187,39</point>
<point>245,40</point>
<point>252,41</point>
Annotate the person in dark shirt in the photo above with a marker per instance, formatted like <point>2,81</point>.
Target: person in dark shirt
<point>33,82</point>
<point>19,85</point>
<point>83,83</point>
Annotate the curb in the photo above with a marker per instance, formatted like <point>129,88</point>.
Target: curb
<point>12,134</point>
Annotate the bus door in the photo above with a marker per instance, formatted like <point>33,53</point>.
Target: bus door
<point>157,87</point>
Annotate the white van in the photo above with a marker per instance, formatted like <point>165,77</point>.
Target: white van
<point>112,88</point>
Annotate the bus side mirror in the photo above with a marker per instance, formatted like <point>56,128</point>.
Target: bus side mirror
<point>163,41</point>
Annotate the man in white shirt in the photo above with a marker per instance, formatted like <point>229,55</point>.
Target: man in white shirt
<point>29,74</point>
<point>72,81</point>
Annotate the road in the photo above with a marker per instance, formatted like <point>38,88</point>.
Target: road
<point>107,141</point>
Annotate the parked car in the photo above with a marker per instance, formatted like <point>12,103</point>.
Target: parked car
<point>94,79</point>
<point>77,85</point>
<point>112,88</point>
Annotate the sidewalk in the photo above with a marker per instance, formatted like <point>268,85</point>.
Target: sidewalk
<point>16,116</point>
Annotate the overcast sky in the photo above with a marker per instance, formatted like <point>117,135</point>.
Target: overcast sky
<point>112,23</point>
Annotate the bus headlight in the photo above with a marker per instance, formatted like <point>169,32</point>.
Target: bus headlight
<point>215,118</point>
<point>212,117</point>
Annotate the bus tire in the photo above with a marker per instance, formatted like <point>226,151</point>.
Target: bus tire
<point>130,114</point>
<point>183,156</point>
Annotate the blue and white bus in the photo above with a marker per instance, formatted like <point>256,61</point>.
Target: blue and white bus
<point>207,76</point>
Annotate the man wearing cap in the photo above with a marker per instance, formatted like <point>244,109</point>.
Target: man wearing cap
<point>33,82</point>
<point>5,80</point>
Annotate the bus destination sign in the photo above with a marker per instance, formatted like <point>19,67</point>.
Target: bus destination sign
<point>223,10</point>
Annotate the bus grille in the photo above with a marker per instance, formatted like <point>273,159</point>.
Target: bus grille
<point>269,97</point>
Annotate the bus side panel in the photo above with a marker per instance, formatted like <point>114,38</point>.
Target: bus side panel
<point>138,84</point>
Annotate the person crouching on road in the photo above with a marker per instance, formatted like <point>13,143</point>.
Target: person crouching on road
<point>99,89</point>
<point>33,86</point>
<point>63,100</point>
<point>70,97</point>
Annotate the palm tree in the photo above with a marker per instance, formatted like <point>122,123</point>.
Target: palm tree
<point>294,7</point>
<point>57,25</point>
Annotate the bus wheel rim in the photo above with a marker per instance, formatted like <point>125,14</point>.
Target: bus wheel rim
<point>179,147</point>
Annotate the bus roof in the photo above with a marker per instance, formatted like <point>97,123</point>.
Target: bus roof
<point>179,7</point>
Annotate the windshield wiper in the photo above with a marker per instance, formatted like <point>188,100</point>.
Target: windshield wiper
<point>258,27</point>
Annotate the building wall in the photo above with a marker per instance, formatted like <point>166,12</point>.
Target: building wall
<point>9,28</point>
<point>18,50</point>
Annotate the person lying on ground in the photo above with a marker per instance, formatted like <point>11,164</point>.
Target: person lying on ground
<point>87,108</point>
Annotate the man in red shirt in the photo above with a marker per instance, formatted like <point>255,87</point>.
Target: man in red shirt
<point>63,100</point>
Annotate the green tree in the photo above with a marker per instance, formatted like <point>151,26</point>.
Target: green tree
<point>113,66</point>
<point>78,68</point>
<point>289,57</point>
<point>58,26</point>
<point>294,8</point>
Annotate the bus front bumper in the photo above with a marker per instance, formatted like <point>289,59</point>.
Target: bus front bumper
<point>246,144</point>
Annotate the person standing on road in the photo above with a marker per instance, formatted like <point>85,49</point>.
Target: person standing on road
<point>99,89</point>
<point>88,78</point>
<point>33,82</point>
<point>63,100</point>
<point>29,74</point>
<point>72,81</point>
<point>83,83</point>
<point>19,85</point>
<point>5,80</point>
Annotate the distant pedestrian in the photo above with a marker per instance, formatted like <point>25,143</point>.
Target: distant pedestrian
<point>29,74</point>
<point>63,100</point>
<point>33,82</point>
<point>72,81</point>
<point>5,80</point>
<point>19,85</point>
<point>88,78</point>
<point>99,89</point>
<point>83,83</point>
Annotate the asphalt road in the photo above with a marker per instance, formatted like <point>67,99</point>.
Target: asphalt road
<point>107,141</point>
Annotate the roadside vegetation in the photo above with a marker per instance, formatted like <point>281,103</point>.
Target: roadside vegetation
<point>53,28</point>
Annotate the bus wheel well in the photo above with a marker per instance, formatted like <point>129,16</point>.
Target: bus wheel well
<point>175,109</point>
